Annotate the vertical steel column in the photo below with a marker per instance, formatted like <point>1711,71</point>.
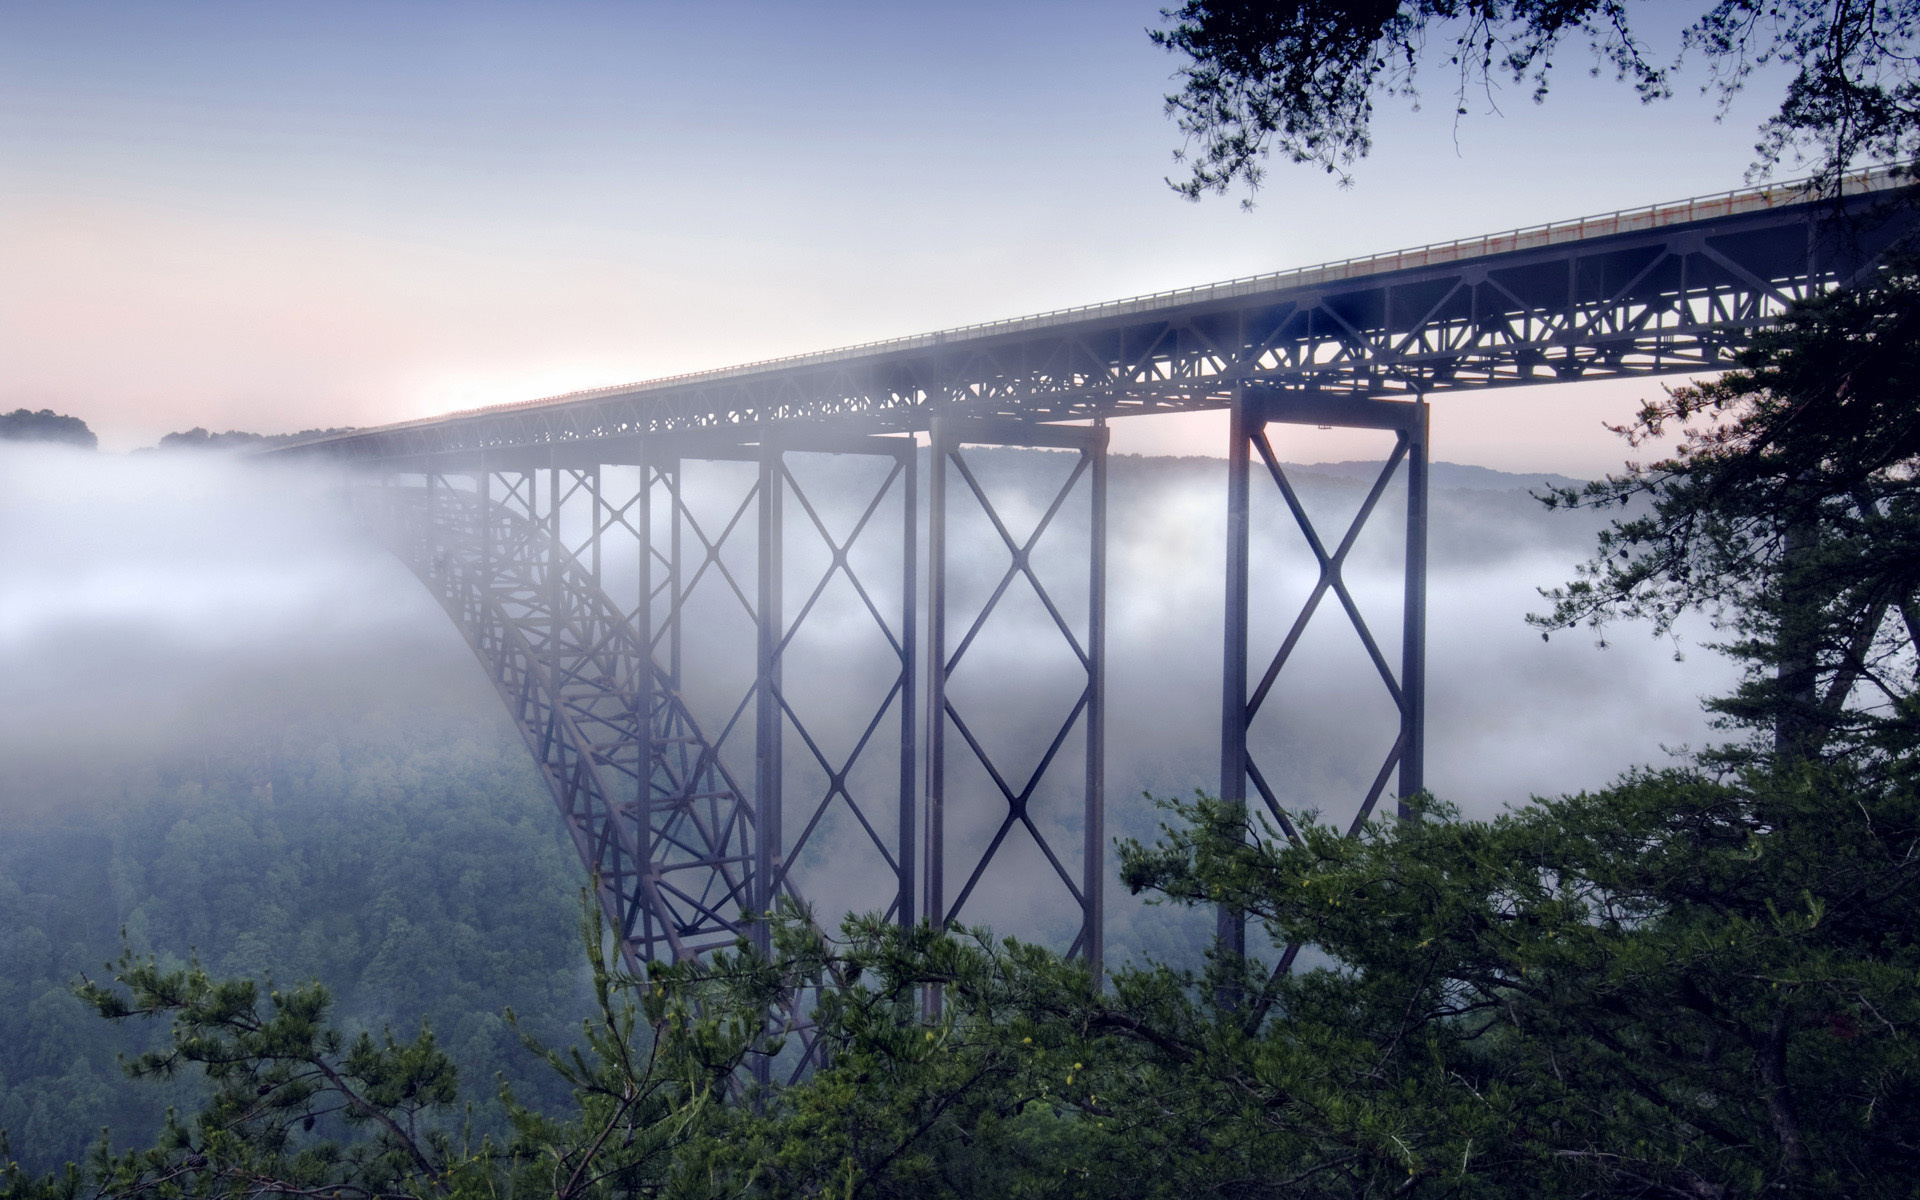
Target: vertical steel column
<point>594,501</point>
<point>553,499</point>
<point>767,736</point>
<point>556,598</point>
<point>676,564</point>
<point>1093,865</point>
<point>1230,925</point>
<point>909,622</point>
<point>769,762</point>
<point>486,523</point>
<point>1413,639</point>
<point>646,682</point>
<point>936,894</point>
<point>660,677</point>
<point>667,464</point>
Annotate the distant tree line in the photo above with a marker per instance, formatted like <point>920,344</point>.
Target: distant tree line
<point>45,425</point>
<point>26,425</point>
<point>237,439</point>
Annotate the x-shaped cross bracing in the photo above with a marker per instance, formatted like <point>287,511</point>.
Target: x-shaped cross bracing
<point>1087,711</point>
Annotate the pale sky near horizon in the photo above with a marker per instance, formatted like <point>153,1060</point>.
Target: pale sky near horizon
<point>273,216</point>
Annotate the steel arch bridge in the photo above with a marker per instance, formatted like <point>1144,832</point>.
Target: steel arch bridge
<point>563,537</point>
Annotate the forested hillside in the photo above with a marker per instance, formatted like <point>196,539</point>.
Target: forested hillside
<point>406,857</point>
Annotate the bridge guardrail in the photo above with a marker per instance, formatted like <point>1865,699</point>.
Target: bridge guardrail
<point>1632,220</point>
<point>1648,217</point>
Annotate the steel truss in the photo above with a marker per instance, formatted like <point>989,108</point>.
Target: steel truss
<point>659,822</point>
<point>763,510</point>
<point>1675,289</point>
<point>685,853</point>
<point>777,714</point>
<point>684,857</point>
<point>1088,712</point>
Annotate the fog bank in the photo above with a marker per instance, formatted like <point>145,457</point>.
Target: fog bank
<point>162,605</point>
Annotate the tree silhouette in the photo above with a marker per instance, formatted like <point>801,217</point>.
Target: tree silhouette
<point>25,425</point>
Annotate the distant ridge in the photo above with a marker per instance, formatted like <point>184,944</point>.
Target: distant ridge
<point>1447,475</point>
<point>1450,476</point>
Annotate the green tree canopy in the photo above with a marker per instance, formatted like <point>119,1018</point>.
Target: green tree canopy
<point>1299,78</point>
<point>1788,512</point>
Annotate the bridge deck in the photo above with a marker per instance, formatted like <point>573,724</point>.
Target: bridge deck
<point>1667,287</point>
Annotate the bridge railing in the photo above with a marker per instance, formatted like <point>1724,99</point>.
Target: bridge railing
<point>1653,216</point>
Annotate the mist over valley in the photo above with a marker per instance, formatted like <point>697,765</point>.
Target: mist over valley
<point>237,728</point>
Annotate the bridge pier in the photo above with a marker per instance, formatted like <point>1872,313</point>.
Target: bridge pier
<point>679,551</point>
<point>1254,407</point>
<point>777,715</point>
<point>950,437</point>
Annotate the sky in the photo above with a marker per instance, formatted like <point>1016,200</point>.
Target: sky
<point>275,216</point>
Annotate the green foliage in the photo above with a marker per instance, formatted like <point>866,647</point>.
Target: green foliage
<point>984,1097</point>
<point>295,1105</point>
<point>1678,984</point>
<point>1790,513</point>
<point>655,1069</point>
<point>410,864</point>
<point>276,1069</point>
<point>1299,77</point>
